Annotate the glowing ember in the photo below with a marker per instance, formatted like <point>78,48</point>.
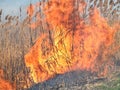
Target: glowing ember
<point>5,85</point>
<point>73,44</point>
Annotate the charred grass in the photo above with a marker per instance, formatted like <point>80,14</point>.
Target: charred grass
<point>16,38</point>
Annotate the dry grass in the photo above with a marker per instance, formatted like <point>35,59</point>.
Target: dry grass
<point>16,38</point>
<point>15,41</point>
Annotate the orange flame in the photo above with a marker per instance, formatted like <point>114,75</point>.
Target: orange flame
<point>5,85</point>
<point>30,10</point>
<point>73,44</point>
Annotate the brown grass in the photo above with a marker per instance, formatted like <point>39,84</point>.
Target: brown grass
<point>16,38</point>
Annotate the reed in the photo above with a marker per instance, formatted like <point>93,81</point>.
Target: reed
<point>16,38</point>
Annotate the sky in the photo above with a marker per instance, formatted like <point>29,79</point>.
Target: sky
<point>12,6</point>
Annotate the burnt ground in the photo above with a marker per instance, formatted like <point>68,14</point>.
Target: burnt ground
<point>80,80</point>
<point>83,80</point>
<point>67,80</point>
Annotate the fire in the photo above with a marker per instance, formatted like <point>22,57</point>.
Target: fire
<point>5,85</point>
<point>30,10</point>
<point>72,44</point>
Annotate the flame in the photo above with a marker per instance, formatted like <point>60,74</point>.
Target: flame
<point>74,43</point>
<point>5,85</point>
<point>30,10</point>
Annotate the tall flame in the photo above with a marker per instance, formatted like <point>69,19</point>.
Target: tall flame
<point>73,44</point>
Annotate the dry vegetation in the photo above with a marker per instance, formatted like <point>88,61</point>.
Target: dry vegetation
<point>16,38</point>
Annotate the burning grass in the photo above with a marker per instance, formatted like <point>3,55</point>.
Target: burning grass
<point>4,84</point>
<point>65,38</point>
<point>74,44</point>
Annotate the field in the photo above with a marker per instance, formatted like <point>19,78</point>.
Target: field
<point>16,39</point>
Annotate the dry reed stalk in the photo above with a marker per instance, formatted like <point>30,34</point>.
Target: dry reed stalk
<point>0,14</point>
<point>16,41</point>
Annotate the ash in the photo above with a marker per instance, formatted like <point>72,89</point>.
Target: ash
<point>75,80</point>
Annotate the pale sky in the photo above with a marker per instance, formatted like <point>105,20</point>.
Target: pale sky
<point>12,6</point>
